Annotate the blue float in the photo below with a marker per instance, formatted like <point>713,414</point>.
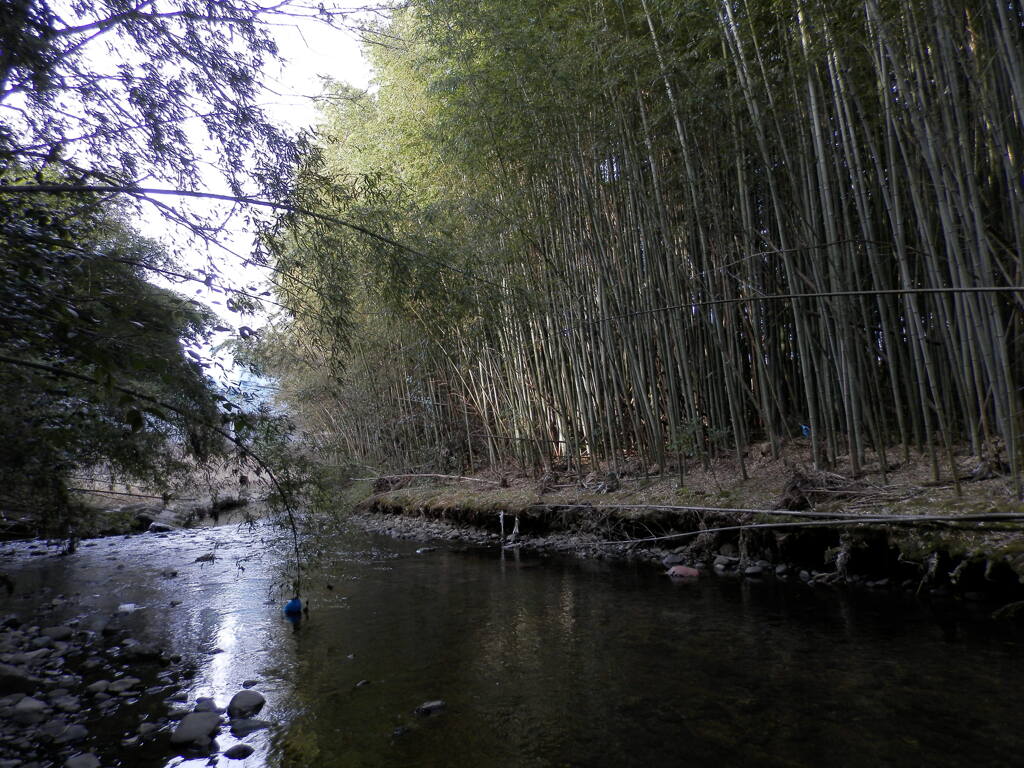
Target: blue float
<point>293,607</point>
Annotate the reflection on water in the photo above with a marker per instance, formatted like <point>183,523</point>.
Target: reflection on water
<point>558,663</point>
<point>575,664</point>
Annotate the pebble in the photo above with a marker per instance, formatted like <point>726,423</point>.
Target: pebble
<point>74,732</point>
<point>683,572</point>
<point>85,760</point>
<point>250,683</point>
<point>430,707</point>
<point>146,728</point>
<point>57,633</point>
<point>29,704</point>
<point>124,684</point>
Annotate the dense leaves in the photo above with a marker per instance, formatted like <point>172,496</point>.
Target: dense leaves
<point>99,368</point>
<point>92,368</point>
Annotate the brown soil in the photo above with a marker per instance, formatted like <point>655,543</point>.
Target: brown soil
<point>585,515</point>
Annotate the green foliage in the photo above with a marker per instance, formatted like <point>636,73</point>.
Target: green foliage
<point>93,369</point>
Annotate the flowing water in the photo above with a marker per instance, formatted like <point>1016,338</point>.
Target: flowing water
<point>547,662</point>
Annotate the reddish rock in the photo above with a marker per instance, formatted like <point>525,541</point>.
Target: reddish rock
<point>683,572</point>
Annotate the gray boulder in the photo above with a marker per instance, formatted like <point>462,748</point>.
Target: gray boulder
<point>239,752</point>
<point>196,728</point>
<point>245,704</point>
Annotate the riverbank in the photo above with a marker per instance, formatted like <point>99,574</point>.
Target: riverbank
<point>131,650</point>
<point>882,531</point>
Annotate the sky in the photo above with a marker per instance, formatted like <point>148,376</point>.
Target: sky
<point>312,50</point>
<point>309,51</point>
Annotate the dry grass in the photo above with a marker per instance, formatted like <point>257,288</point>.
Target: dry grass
<point>907,488</point>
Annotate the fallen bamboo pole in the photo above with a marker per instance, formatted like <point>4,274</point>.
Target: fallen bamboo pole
<point>898,520</point>
<point>436,477</point>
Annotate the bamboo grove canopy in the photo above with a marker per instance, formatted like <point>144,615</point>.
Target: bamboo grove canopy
<point>662,228</point>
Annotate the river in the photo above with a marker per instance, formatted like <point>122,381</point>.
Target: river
<point>541,662</point>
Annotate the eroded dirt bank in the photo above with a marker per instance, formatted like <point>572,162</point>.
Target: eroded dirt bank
<point>783,521</point>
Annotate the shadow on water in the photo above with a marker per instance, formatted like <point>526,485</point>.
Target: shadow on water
<point>554,663</point>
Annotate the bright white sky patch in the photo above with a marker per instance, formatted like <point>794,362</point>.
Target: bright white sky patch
<point>311,51</point>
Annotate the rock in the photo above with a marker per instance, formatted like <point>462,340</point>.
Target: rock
<point>196,728</point>
<point>753,570</point>
<point>245,703</point>
<point>83,760</point>
<point>53,728</point>
<point>424,550</point>
<point>805,576</point>
<point>683,572</point>
<point>250,683</point>
<point>100,686</point>
<point>74,732</point>
<point>146,728</point>
<point>674,559</point>
<point>29,704</point>
<point>124,684</point>
<point>430,707</point>
<point>242,727</point>
<point>57,633</point>
<point>209,557</point>
<point>15,680</point>
<point>206,704</point>
<point>781,570</point>
<point>722,562</point>
<point>729,550</point>
<point>135,651</point>
<point>68,704</point>
<point>239,752</point>
<point>158,527</point>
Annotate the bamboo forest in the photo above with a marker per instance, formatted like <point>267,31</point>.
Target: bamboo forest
<point>661,228</point>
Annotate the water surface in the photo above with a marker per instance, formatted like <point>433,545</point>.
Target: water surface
<point>555,662</point>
